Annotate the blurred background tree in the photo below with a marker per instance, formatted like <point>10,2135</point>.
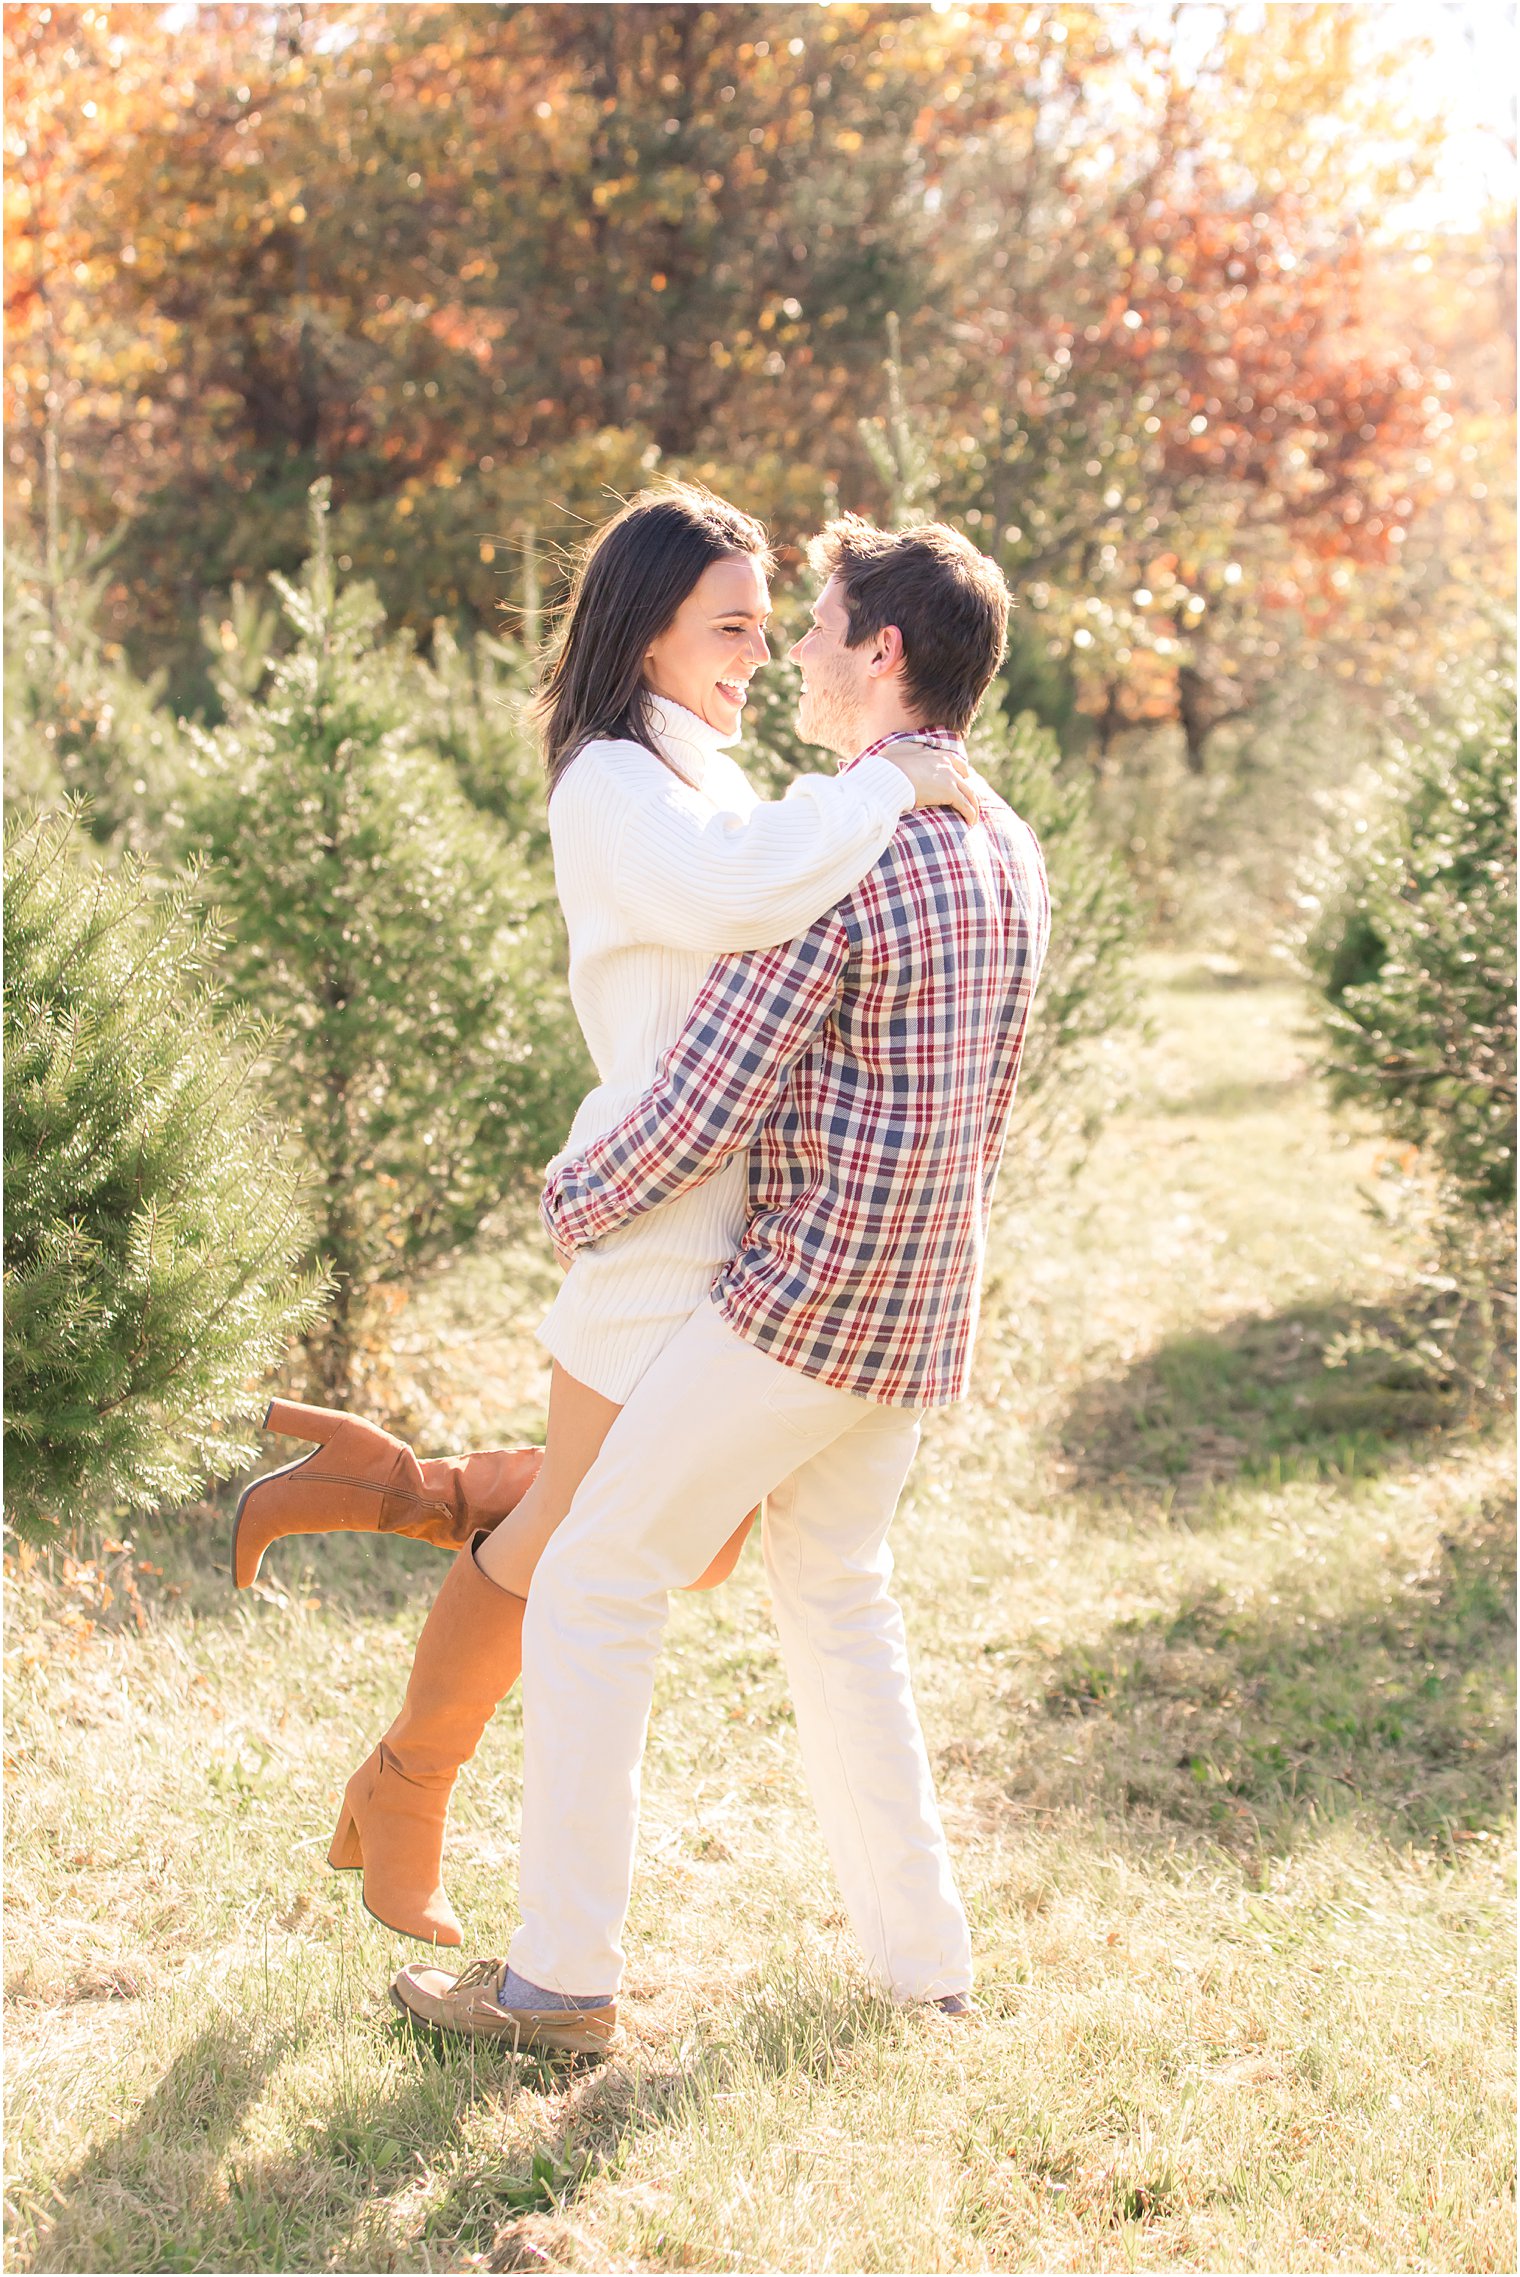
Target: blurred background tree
<point>1415,955</point>
<point>79,723</point>
<point>1178,324</point>
<point>486,266</point>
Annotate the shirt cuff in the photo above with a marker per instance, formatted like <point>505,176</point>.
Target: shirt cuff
<point>550,1212</point>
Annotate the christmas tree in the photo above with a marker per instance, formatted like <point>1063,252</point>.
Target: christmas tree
<point>78,721</point>
<point>1073,1069</point>
<point>152,1211</point>
<point>1416,958</point>
<point>897,448</point>
<point>398,934</point>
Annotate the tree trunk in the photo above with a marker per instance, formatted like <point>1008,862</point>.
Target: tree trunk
<point>1192,714</point>
<point>606,260</point>
<point>308,376</point>
<point>675,414</point>
<point>333,1343</point>
<point>52,507</point>
<point>331,1349</point>
<point>1109,721</point>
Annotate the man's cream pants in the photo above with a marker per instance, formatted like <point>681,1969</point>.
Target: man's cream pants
<point>712,1427</point>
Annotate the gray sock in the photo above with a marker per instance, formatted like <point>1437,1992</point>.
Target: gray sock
<point>516,1992</point>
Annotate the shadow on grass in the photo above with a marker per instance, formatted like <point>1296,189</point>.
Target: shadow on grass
<point>1262,1097</point>
<point>512,2208</point>
<point>376,2145</point>
<point>176,1566</point>
<point>151,2195</point>
<point>514,2211</point>
<point>1221,977</point>
<point>175,2189</point>
<point>786,2023</point>
<point>1317,1391</point>
<point>1255,1726</point>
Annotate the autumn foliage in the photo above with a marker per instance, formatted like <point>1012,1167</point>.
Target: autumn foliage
<point>1136,298</point>
<point>484,267</point>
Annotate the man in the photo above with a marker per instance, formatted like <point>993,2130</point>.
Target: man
<point>868,1069</point>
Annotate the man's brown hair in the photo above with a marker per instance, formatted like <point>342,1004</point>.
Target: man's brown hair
<point>945,597</point>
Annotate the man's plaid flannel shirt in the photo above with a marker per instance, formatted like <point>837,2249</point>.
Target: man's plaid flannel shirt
<point>869,1068</point>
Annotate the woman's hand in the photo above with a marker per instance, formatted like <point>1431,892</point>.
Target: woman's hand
<point>939,778</point>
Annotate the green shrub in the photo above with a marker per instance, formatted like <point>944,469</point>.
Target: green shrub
<point>1415,959</point>
<point>472,706</point>
<point>152,1211</point>
<point>1413,956</point>
<point>1089,995</point>
<point>78,722</point>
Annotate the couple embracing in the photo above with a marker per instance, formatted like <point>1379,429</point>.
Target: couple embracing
<point>808,1017</point>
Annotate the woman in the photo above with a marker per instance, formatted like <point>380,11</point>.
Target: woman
<point>664,859</point>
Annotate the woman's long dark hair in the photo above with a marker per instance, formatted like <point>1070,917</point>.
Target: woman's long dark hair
<point>631,580</point>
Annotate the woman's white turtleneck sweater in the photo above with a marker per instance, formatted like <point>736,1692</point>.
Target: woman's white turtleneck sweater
<point>660,869</point>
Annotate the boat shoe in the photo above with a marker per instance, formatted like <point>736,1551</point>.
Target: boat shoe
<point>468,2003</point>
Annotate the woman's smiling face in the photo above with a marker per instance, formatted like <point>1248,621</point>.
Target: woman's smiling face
<point>715,642</point>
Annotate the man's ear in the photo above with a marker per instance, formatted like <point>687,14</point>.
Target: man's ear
<point>886,653</point>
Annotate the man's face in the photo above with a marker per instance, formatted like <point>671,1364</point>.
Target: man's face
<point>831,704</point>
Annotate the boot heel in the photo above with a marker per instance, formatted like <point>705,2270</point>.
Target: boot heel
<point>346,1855</point>
<point>290,1420</point>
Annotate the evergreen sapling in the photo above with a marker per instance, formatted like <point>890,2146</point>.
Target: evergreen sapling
<point>1416,959</point>
<point>153,1216</point>
<point>398,936</point>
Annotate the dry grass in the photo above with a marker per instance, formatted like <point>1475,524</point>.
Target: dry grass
<point>1215,1651</point>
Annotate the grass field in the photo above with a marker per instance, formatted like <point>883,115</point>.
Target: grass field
<point>1214,1647</point>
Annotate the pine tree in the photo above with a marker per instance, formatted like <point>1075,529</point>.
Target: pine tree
<point>472,708</point>
<point>78,721</point>
<point>1416,960</point>
<point>897,449</point>
<point>152,1210</point>
<point>237,636</point>
<point>397,934</point>
<point>1089,993</point>
<point>1412,951</point>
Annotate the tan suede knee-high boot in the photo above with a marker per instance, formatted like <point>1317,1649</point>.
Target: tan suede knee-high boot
<point>395,1806</point>
<point>359,1479</point>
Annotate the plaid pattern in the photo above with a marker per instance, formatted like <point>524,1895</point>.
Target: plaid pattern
<point>869,1068</point>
